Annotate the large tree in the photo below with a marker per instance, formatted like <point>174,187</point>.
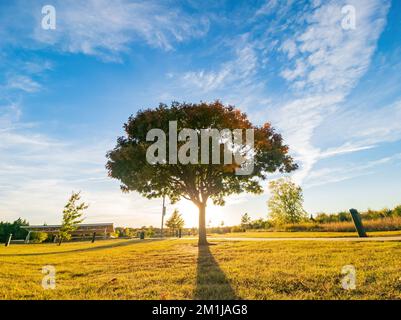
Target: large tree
<point>194,180</point>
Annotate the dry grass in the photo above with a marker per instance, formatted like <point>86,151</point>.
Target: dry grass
<point>384,224</point>
<point>175,269</point>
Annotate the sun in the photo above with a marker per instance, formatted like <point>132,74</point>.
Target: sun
<point>189,211</point>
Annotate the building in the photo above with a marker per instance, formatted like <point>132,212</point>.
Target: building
<point>92,230</point>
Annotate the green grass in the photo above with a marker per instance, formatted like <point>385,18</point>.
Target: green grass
<point>177,269</point>
<point>307,234</point>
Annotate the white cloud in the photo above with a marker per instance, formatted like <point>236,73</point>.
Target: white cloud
<point>289,46</point>
<point>106,28</point>
<point>24,83</point>
<point>267,8</point>
<point>346,148</point>
<point>298,71</point>
<point>337,174</point>
<point>237,71</point>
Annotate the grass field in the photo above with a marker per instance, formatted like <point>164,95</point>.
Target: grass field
<point>177,269</point>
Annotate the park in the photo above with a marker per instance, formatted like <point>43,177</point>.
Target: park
<point>200,150</point>
<point>288,256</point>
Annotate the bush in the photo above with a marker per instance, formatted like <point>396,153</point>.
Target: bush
<point>237,229</point>
<point>38,237</point>
<point>219,230</point>
<point>150,232</point>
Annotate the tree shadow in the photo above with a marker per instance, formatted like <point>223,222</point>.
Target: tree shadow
<point>95,248</point>
<point>211,282</point>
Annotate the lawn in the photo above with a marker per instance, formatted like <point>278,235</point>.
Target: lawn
<point>177,269</point>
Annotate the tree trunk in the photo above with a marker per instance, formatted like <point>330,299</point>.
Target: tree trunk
<point>202,241</point>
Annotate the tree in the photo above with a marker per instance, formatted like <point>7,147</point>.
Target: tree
<point>176,221</point>
<point>397,211</point>
<point>285,203</point>
<point>194,180</point>
<point>259,224</point>
<point>14,228</point>
<point>150,231</point>
<point>245,221</point>
<point>72,216</point>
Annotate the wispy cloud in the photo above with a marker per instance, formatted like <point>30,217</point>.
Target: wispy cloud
<point>338,174</point>
<point>237,71</point>
<point>106,28</point>
<point>23,82</point>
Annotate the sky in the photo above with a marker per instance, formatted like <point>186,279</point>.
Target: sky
<point>328,84</point>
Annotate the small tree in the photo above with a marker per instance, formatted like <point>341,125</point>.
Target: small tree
<point>150,232</point>
<point>72,216</point>
<point>176,222</point>
<point>285,203</point>
<point>245,221</point>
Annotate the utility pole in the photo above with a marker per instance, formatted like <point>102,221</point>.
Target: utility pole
<point>163,214</point>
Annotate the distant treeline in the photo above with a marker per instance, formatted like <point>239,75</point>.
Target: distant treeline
<point>14,228</point>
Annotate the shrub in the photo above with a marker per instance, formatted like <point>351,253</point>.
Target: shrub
<point>38,237</point>
<point>237,229</point>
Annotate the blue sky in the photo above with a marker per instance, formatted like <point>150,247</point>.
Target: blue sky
<point>334,94</point>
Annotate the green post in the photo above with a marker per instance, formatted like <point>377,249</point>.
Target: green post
<point>93,237</point>
<point>9,240</point>
<point>356,217</point>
